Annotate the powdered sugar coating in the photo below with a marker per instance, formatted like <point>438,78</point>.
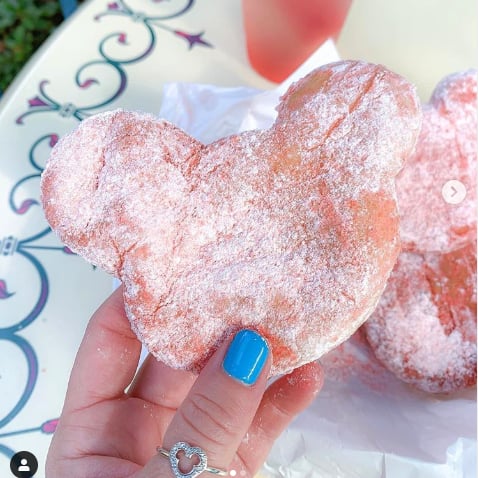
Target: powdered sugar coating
<point>446,150</point>
<point>424,328</point>
<point>291,231</point>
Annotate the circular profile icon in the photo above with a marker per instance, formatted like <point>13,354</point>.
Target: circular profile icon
<point>24,464</point>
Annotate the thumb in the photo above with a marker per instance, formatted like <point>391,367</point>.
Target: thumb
<point>218,410</point>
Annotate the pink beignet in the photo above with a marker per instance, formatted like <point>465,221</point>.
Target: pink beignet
<point>424,328</point>
<point>291,231</point>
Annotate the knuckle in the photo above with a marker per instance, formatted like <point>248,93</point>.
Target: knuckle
<point>208,418</point>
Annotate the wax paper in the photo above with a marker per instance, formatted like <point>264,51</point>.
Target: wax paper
<point>365,423</point>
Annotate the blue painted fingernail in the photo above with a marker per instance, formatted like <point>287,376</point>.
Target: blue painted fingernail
<point>246,356</point>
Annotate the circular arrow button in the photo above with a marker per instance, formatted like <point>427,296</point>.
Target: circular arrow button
<point>453,191</point>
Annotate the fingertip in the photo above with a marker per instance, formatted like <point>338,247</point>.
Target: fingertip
<point>110,317</point>
<point>113,304</point>
<point>296,390</point>
<point>308,378</point>
<point>247,357</point>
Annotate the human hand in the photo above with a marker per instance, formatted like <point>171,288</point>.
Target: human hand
<point>113,420</point>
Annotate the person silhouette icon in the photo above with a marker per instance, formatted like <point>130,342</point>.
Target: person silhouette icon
<point>24,465</point>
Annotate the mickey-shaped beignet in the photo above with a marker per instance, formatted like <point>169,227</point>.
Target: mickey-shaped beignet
<point>424,328</point>
<point>291,231</point>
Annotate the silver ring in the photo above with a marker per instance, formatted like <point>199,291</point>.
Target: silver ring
<point>189,451</point>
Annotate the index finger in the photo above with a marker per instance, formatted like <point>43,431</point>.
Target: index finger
<point>107,358</point>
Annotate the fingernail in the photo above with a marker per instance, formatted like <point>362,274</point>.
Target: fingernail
<point>246,356</point>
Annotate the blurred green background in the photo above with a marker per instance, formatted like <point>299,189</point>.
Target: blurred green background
<point>24,25</point>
